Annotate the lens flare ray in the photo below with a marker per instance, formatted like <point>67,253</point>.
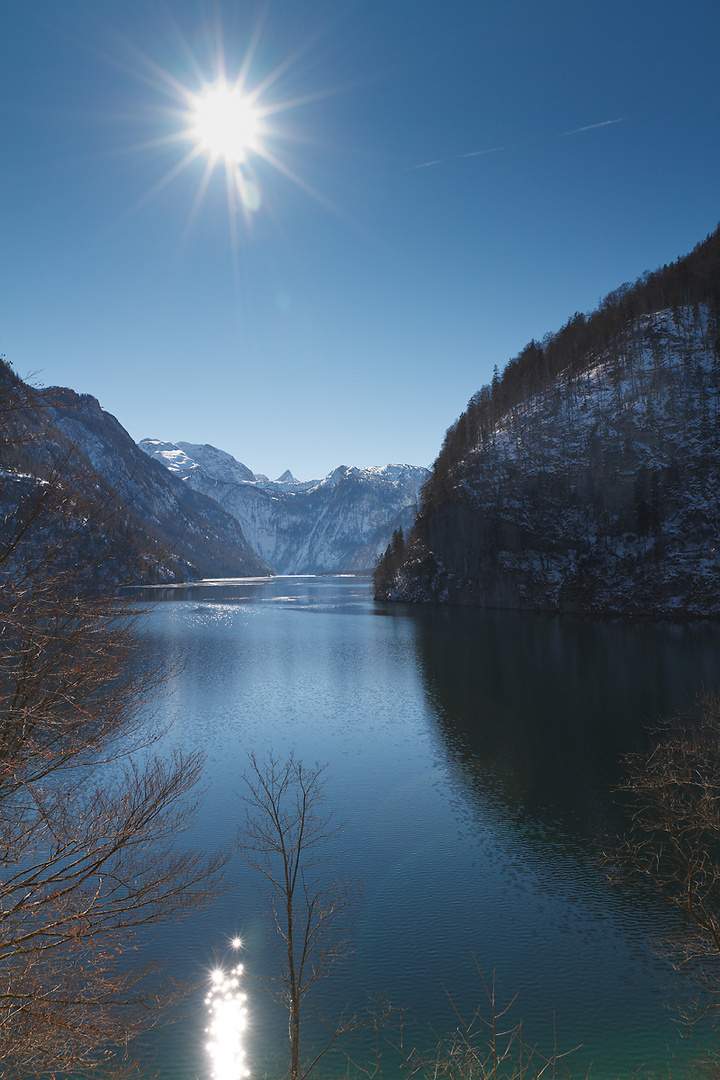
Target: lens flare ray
<point>225,122</point>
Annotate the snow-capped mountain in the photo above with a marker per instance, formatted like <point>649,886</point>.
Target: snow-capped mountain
<point>187,534</point>
<point>342,522</point>
<point>217,463</point>
<point>587,478</point>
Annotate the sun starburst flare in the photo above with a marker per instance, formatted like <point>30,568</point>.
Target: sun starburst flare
<point>226,122</point>
<point>232,123</point>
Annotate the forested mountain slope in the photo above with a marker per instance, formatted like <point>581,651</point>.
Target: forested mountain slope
<point>342,522</point>
<point>587,477</point>
<point>56,435</point>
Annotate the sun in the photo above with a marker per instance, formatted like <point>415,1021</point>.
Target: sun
<point>226,123</point>
<point>232,121</point>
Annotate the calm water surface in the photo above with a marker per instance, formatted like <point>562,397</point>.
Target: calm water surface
<point>471,756</point>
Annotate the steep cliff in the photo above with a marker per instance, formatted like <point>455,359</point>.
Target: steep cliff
<point>181,533</point>
<point>342,522</point>
<point>587,477</point>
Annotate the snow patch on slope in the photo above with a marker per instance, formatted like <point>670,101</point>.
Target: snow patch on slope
<point>342,521</point>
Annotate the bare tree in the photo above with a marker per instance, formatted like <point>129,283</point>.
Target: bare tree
<point>289,838</point>
<point>489,1045</point>
<point>89,816</point>
<point>673,844</point>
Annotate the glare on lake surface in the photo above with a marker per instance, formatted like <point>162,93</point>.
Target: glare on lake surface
<point>471,757</point>
<point>228,1018</point>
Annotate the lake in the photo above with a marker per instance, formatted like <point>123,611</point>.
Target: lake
<point>471,756</point>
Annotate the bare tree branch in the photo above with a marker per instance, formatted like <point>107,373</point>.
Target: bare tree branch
<point>673,844</point>
<point>288,839</point>
<point>90,821</point>
<point>485,1046</point>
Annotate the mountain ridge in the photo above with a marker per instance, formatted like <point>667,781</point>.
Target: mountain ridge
<point>341,522</point>
<point>586,477</point>
<point>186,534</point>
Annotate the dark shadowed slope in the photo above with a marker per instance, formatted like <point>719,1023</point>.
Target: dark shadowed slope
<point>183,534</point>
<point>586,477</point>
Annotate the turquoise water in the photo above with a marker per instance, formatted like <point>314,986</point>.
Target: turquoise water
<point>471,756</point>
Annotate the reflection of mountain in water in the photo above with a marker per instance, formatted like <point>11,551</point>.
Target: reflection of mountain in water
<point>537,710</point>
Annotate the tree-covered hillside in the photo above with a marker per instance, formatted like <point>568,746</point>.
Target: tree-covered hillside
<point>585,478</point>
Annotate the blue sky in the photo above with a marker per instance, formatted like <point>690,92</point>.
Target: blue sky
<point>352,315</point>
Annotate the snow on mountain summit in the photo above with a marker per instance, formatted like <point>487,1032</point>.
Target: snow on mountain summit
<point>219,464</point>
<point>172,457</point>
<point>343,521</point>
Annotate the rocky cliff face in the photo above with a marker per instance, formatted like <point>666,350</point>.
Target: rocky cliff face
<point>597,490</point>
<point>182,533</point>
<point>342,522</point>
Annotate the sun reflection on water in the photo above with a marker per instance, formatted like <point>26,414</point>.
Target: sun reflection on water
<point>225,1002</point>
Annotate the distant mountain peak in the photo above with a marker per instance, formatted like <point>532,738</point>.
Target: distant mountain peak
<point>343,521</point>
<point>218,463</point>
<point>179,533</point>
<point>174,459</point>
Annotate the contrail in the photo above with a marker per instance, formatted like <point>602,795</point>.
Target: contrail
<point>479,153</point>
<point>590,127</point>
<point>455,157</point>
<point>426,164</point>
<point>512,146</point>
